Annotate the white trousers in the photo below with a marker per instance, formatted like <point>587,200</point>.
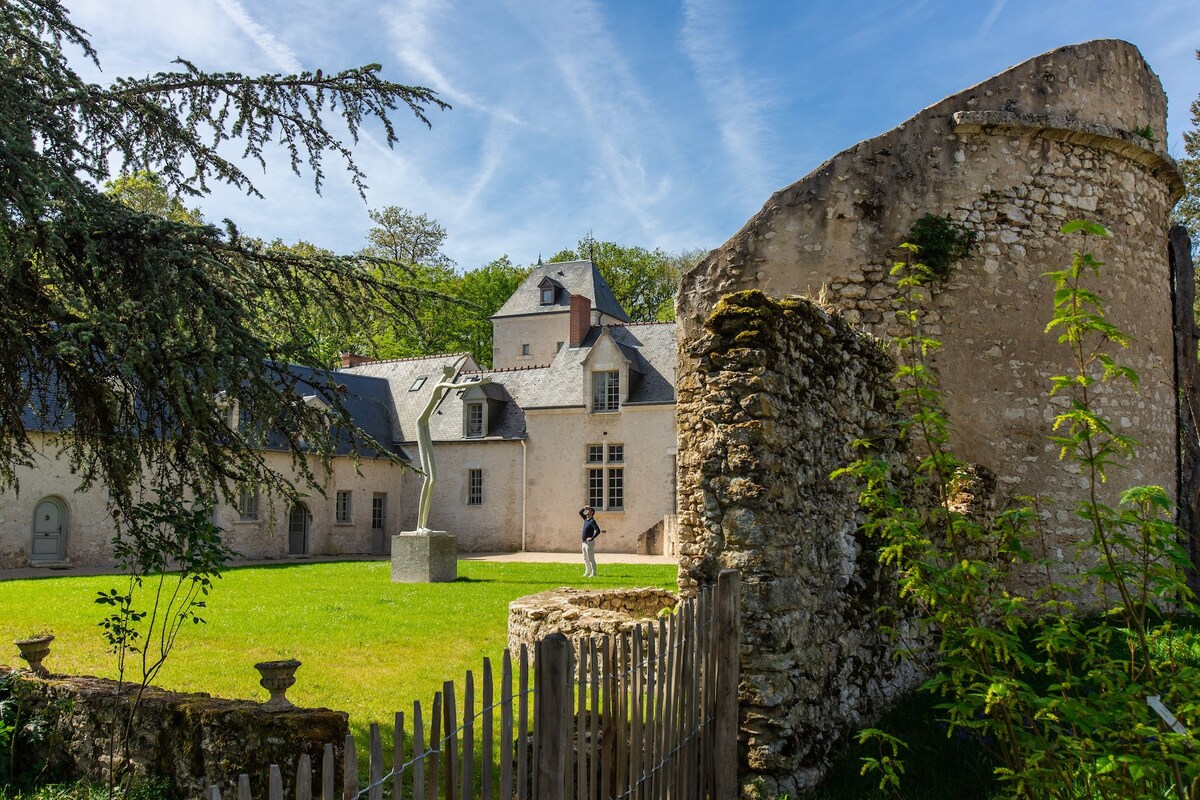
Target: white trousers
<point>589,558</point>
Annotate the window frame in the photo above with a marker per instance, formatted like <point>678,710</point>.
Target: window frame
<point>547,296</point>
<point>470,429</point>
<point>604,470</point>
<point>343,512</point>
<point>248,505</point>
<point>379,511</point>
<point>474,486</point>
<point>614,489</point>
<point>606,391</point>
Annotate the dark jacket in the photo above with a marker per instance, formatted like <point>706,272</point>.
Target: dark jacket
<point>591,528</point>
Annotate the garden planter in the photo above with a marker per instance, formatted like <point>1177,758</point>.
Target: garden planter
<point>34,650</point>
<point>277,677</point>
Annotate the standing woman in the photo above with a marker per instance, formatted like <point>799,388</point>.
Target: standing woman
<point>591,529</point>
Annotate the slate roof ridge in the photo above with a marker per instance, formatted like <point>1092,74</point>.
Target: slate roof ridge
<point>646,324</point>
<point>486,371</point>
<point>408,359</point>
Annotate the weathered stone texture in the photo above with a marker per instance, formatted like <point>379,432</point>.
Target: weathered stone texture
<point>579,613</point>
<point>763,418</point>
<point>1012,159</point>
<point>191,740</point>
<point>779,392</point>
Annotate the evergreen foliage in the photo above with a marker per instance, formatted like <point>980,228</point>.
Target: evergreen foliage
<point>130,331</point>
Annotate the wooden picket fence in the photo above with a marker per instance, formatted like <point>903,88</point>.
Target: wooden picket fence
<point>650,714</point>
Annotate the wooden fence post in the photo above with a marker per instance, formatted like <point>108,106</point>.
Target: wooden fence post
<point>725,755</point>
<point>553,670</point>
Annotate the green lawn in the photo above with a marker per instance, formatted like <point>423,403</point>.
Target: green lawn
<point>368,646</point>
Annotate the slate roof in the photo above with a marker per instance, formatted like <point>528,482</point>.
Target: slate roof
<point>401,376</point>
<point>650,348</point>
<point>576,277</point>
<point>368,400</point>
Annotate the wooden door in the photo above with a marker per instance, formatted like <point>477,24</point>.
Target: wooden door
<point>298,524</point>
<point>379,543</point>
<point>49,531</point>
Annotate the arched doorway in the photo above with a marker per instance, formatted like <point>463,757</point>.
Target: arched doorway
<point>49,541</point>
<point>299,521</point>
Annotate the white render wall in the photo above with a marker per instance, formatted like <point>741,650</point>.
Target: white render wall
<point>557,482</point>
<point>494,526</point>
<point>89,528</point>
<point>542,332</point>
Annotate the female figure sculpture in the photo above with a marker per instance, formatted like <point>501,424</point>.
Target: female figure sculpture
<point>425,441</point>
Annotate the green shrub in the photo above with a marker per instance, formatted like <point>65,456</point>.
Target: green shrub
<point>1058,700</point>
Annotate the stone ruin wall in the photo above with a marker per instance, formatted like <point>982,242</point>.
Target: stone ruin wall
<point>192,741</point>
<point>778,393</point>
<point>582,613</point>
<point>1012,159</point>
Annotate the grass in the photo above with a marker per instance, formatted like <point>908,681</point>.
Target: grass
<point>368,646</point>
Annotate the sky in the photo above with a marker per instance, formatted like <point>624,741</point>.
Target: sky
<point>659,123</point>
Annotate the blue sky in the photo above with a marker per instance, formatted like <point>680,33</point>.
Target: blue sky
<point>657,123</point>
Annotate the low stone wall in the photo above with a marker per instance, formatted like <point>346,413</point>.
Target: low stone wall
<point>577,613</point>
<point>190,740</point>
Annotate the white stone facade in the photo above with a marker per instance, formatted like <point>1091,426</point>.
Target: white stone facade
<point>512,455</point>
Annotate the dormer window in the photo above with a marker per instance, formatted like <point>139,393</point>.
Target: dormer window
<point>547,295</point>
<point>606,390</point>
<point>473,419</point>
<point>227,408</point>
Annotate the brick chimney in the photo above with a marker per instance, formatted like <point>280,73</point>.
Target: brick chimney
<point>581,319</point>
<point>353,360</point>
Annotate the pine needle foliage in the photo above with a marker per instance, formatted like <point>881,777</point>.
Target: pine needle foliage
<point>131,335</point>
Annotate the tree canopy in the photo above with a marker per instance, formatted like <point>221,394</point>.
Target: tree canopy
<point>644,281</point>
<point>1188,210</point>
<point>128,332</point>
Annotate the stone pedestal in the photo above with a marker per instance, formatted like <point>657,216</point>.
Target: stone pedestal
<point>424,557</point>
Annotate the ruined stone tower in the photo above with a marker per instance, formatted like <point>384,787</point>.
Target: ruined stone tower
<point>1075,133</point>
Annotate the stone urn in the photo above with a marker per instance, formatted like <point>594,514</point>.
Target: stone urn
<point>277,677</point>
<point>33,650</point>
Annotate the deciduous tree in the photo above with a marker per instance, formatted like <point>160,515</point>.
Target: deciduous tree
<point>644,281</point>
<point>1188,211</point>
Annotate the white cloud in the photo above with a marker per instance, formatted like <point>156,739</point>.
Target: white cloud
<point>410,27</point>
<point>617,127</point>
<point>731,96</point>
<point>991,18</point>
<point>278,53</point>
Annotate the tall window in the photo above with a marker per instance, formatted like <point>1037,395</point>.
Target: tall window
<point>606,391</point>
<point>247,505</point>
<point>378,512</point>
<point>606,484</point>
<point>342,508</point>
<point>596,488</point>
<point>475,487</point>
<point>525,349</point>
<point>547,295</point>
<point>616,488</point>
<point>474,422</point>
